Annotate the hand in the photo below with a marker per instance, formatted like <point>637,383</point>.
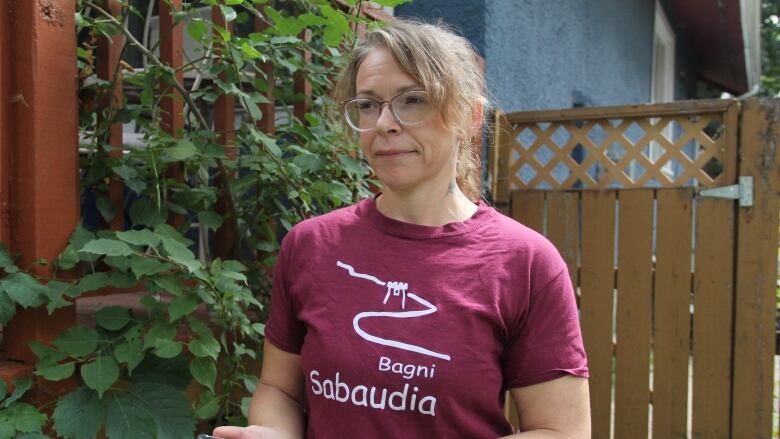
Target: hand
<point>251,432</point>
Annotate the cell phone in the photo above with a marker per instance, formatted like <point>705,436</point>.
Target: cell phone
<point>207,436</point>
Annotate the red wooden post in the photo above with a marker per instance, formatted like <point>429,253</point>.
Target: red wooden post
<point>224,119</point>
<point>302,85</point>
<point>172,104</point>
<point>43,143</point>
<point>108,53</point>
<point>5,129</point>
<point>267,124</point>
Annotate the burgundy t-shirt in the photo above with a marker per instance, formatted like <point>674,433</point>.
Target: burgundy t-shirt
<point>409,331</point>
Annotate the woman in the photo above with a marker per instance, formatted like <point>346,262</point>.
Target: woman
<point>409,314</point>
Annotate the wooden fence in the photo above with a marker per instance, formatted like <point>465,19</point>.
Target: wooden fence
<point>676,286</point>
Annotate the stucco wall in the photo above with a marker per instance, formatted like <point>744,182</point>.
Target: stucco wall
<point>545,54</point>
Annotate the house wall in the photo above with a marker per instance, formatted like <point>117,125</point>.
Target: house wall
<point>546,54</point>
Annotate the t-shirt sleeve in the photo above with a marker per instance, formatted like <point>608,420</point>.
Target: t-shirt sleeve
<point>547,343</point>
<point>283,329</point>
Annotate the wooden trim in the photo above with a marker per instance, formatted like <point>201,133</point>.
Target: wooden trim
<point>757,238</point>
<point>677,108</point>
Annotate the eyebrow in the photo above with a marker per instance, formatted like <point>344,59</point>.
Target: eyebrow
<point>397,90</point>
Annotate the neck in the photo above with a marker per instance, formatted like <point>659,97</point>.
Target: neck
<point>427,208</point>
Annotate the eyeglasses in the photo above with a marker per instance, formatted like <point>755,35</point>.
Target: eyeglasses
<point>409,108</point>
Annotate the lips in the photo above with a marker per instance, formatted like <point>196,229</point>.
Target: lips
<point>392,153</point>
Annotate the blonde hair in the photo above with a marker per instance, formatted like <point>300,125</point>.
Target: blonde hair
<point>447,66</point>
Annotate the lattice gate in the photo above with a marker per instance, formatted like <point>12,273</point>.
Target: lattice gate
<point>675,283</point>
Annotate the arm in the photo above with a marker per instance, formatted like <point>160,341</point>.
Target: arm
<point>277,404</point>
<point>554,409</point>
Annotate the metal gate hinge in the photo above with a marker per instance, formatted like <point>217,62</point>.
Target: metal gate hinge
<point>742,192</point>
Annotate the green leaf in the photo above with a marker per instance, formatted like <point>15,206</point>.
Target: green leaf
<point>210,219</point>
<point>206,346</point>
<point>120,262</point>
<point>197,29</point>
<point>79,414</point>
<point>131,353</point>
<point>182,150</point>
<point>204,370</point>
<point>229,13</point>
<point>142,237</point>
<point>108,247</point>
<point>165,348</point>
<point>233,2</point>
<point>146,266</point>
<point>25,418</point>
<point>146,213</point>
<point>180,254</point>
<point>21,386</point>
<point>164,409</point>
<point>259,328</point>
<point>67,259</point>
<point>54,371</point>
<point>93,281</point>
<point>7,308</point>
<point>250,52</point>
<point>24,289</point>
<point>112,318</point>
<point>46,353</point>
<point>127,417</point>
<point>55,291</point>
<point>168,283</point>
<point>351,165</point>
<point>161,330</point>
<point>124,171</point>
<point>208,406</point>
<point>3,389</point>
<point>268,142</point>
<point>171,371</point>
<point>77,341</point>
<point>101,373</point>
<point>105,208</point>
<point>181,306</point>
<point>340,191</point>
<point>5,257</point>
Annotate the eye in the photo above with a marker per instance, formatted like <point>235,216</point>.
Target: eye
<point>365,105</point>
<point>414,99</point>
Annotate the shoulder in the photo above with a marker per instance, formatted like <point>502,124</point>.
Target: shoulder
<point>325,226</point>
<point>523,246</point>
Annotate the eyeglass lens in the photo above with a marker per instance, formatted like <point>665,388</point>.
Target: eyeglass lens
<point>409,108</point>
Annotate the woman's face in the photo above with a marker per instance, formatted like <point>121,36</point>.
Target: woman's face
<point>405,158</point>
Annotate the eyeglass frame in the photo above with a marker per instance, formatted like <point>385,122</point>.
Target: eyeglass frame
<point>382,104</point>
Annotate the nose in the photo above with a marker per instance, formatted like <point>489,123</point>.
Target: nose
<point>386,122</point>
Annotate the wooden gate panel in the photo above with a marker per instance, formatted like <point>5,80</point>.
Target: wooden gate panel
<point>597,284</point>
<point>754,343</point>
<point>672,317</point>
<point>713,286</point>
<point>634,305</point>
<point>528,208</point>
<point>563,227</point>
